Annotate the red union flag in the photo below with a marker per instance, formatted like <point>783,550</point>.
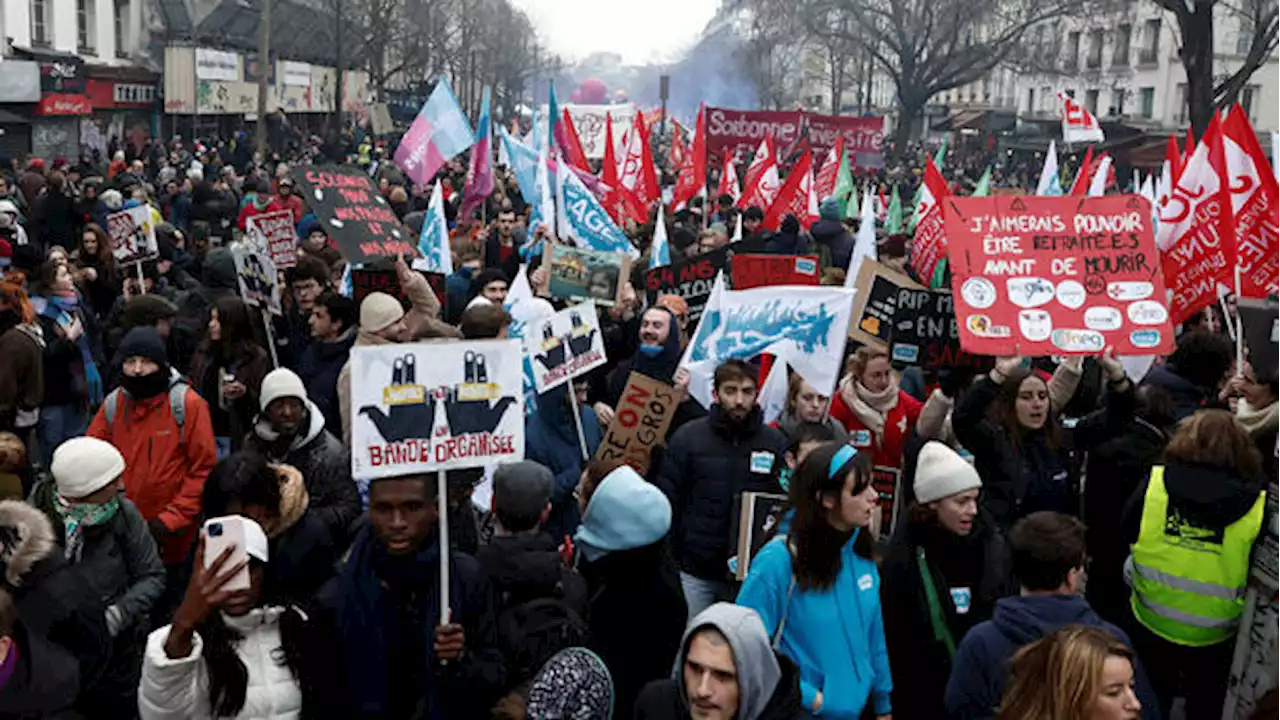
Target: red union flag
<point>1195,235</point>
<point>826,181</point>
<point>761,183</point>
<point>1078,124</point>
<point>1253,204</point>
<point>729,180</point>
<point>796,196</point>
<point>929,245</point>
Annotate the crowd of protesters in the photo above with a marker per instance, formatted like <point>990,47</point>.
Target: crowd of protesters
<point>137,402</point>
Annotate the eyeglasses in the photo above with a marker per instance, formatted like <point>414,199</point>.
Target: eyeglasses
<point>843,456</point>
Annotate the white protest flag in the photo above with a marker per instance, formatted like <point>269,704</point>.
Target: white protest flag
<point>773,394</point>
<point>1098,184</point>
<point>806,325</point>
<point>737,230</point>
<point>1148,191</point>
<point>526,310</point>
<point>1049,183</point>
<point>433,243</point>
<point>864,245</point>
<point>660,248</point>
<point>1078,124</point>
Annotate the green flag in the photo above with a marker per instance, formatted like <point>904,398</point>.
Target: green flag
<point>984,185</point>
<point>851,207</point>
<point>941,155</point>
<point>893,215</point>
<point>844,177</point>
<point>939,279</point>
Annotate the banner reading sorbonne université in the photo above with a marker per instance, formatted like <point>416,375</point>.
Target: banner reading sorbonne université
<point>740,132</point>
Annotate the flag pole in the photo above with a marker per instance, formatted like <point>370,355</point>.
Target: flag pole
<point>1239,328</point>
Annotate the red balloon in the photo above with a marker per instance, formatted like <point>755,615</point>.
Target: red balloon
<point>593,91</point>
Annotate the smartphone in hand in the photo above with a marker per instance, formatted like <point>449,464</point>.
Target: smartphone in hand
<point>227,532</point>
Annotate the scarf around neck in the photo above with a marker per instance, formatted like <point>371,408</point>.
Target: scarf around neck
<point>871,408</point>
<point>78,516</point>
<point>1258,420</point>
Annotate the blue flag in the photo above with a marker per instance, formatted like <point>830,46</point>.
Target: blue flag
<point>437,256</point>
<point>524,165</point>
<point>583,219</point>
<point>660,249</point>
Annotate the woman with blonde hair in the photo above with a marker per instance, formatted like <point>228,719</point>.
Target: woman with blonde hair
<point>877,414</point>
<point>1077,672</point>
<point>806,405</point>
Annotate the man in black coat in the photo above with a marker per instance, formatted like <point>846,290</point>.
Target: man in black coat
<point>333,332</point>
<point>709,463</point>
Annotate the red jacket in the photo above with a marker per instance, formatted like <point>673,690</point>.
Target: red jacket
<point>249,211</point>
<point>293,204</point>
<point>165,467</point>
<point>897,426</point>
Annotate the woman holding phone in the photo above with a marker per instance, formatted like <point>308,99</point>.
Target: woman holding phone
<point>226,654</point>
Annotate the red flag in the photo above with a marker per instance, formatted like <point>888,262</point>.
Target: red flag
<point>793,198</point>
<point>636,171</point>
<point>1174,157</point>
<point>649,174</point>
<point>613,201</point>
<point>675,157</point>
<point>761,184</point>
<point>729,180</point>
<point>1190,146</point>
<point>1254,206</point>
<point>929,245</point>
<point>693,172</point>
<point>1080,186</point>
<point>1195,232</point>
<point>826,180</point>
<point>573,153</point>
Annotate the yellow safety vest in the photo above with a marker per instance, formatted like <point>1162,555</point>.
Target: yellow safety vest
<point>1188,581</point>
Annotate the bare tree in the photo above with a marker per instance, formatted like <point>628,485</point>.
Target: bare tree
<point>771,55</point>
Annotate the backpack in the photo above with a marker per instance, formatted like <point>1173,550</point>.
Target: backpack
<point>531,632</point>
<point>177,405</point>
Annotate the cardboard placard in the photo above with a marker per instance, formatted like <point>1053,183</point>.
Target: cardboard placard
<point>693,278</point>
<point>133,237</point>
<point>925,332</point>
<point>565,346</point>
<point>639,424</point>
<point>367,280</point>
<point>580,274</point>
<point>417,407</point>
<point>888,482</point>
<point>257,278</point>
<point>1261,324</point>
<point>748,271</point>
<point>758,514</point>
<point>1057,276</point>
<point>354,213</point>
<point>276,231</point>
<point>875,304</point>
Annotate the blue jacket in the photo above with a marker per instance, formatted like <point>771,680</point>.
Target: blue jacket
<point>835,636</point>
<point>979,668</point>
<point>552,440</point>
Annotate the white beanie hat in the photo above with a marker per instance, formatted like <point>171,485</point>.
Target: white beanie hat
<point>941,472</point>
<point>84,465</point>
<point>280,383</point>
<point>379,310</point>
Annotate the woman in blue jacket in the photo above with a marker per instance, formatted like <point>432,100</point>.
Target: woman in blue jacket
<point>818,590</point>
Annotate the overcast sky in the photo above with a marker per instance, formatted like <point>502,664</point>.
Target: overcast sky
<point>640,30</point>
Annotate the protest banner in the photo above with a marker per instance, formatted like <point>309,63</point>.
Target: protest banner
<point>750,271</point>
<point>582,274</point>
<point>925,332</point>
<point>256,275</point>
<point>739,132</point>
<point>756,516</point>
<point>1260,318</point>
<point>565,346</point>
<point>133,236</point>
<point>354,213</point>
<point>396,391</point>
<point>366,280</point>
<point>278,234</point>
<point>887,482</point>
<point>640,423</point>
<point>589,121</point>
<point>875,304</point>
<point>693,277</point>
<point>1057,275</point>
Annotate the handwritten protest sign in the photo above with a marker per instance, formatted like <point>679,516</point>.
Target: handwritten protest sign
<point>256,275</point>
<point>747,271</point>
<point>435,406</point>
<point>133,236</point>
<point>887,482</point>
<point>278,234</point>
<point>876,303</point>
<point>640,423</point>
<point>1057,275</point>
<point>925,331</point>
<point>693,278</point>
<point>354,213</point>
<point>565,346</point>
<point>366,280</point>
<point>580,274</point>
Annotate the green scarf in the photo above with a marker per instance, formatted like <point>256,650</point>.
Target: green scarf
<point>78,516</point>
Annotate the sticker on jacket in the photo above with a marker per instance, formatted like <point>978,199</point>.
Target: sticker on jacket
<point>962,598</point>
<point>865,582</point>
<point>860,438</point>
<point>762,462</point>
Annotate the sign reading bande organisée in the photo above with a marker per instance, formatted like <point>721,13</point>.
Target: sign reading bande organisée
<point>565,346</point>
<point>1057,276</point>
<point>431,406</point>
<point>354,213</point>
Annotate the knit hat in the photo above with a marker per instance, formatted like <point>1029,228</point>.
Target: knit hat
<point>676,304</point>
<point>379,310</point>
<point>522,489</point>
<point>144,342</point>
<point>280,383</point>
<point>84,465</point>
<point>574,684</point>
<point>940,473</point>
<point>829,208</point>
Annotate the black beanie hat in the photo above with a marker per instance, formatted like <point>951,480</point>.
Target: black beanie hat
<point>145,342</point>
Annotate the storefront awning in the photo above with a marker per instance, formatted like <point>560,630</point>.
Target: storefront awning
<point>978,119</point>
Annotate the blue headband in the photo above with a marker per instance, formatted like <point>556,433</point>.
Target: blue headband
<point>842,457</point>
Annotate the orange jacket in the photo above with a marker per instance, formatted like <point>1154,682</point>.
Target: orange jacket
<point>165,468</point>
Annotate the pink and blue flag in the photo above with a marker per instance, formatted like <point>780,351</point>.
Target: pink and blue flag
<point>437,135</point>
<point>480,173</point>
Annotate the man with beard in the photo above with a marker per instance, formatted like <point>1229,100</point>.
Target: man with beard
<point>290,430</point>
<point>709,463</point>
<point>502,249</point>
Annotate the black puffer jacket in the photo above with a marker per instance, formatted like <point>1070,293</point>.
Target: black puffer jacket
<point>833,240</point>
<point>708,463</point>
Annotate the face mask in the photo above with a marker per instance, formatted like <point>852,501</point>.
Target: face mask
<point>145,386</point>
<point>651,351</point>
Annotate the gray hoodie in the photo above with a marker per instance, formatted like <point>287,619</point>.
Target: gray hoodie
<point>758,670</point>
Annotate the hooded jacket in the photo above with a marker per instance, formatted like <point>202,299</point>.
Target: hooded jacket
<point>637,611</point>
<point>325,466</point>
<point>832,235</point>
<point>551,440</point>
<point>321,364</point>
<point>768,683</point>
<point>708,464</point>
<point>980,667</point>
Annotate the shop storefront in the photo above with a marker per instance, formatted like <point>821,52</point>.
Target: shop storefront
<point>55,124</point>
<point>19,92</point>
<point>125,107</point>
